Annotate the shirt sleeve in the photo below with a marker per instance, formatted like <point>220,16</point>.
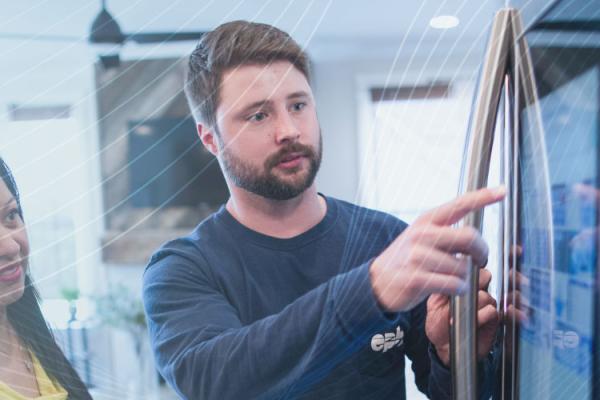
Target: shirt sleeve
<point>204,352</point>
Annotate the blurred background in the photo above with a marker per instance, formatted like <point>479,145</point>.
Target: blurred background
<point>104,150</point>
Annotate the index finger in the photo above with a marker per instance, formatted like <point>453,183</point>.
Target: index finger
<point>455,210</point>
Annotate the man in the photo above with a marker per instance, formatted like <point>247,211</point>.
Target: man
<point>286,293</point>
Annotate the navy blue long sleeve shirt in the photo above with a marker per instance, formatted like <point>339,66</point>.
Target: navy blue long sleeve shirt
<point>235,314</point>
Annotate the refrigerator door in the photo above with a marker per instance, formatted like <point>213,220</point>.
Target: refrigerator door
<point>549,75</point>
<point>496,77</point>
<point>555,275</point>
<point>557,12</point>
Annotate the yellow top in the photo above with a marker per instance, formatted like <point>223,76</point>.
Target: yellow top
<point>49,390</point>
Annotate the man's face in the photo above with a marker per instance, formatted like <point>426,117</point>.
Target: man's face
<point>270,141</point>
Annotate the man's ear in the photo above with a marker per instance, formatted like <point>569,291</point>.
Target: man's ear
<point>208,139</point>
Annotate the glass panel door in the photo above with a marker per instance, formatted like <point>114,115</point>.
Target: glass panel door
<point>558,218</point>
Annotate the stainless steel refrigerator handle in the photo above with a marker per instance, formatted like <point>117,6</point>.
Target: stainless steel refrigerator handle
<point>506,226</point>
<point>526,97</point>
<point>463,332</point>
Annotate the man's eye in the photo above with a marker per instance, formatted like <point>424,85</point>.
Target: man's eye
<point>298,106</point>
<point>257,117</point>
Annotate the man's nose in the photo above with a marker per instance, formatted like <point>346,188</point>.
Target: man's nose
<point>286,129</point>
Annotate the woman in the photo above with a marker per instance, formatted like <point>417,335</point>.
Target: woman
<point>32,366</point>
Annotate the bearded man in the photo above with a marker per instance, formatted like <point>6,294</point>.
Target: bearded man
<point>285,292</point>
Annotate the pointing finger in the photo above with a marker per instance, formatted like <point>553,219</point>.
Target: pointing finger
<point>455,210</point>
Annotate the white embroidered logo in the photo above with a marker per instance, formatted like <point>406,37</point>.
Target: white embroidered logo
<point>388,340</point>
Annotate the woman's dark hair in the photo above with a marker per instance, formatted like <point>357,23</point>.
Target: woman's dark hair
<point>27,320</point>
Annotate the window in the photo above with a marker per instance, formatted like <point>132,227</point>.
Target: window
<point>412,146</point>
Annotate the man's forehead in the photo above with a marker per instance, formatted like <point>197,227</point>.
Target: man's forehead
<point>249,83</point>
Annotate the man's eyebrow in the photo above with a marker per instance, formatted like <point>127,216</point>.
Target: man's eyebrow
<point>255,105</point>
<point>298,94</point>
<point>267,102</point>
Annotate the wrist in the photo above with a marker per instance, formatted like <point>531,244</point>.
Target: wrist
<point>443,354</point>
<point>376,285</point>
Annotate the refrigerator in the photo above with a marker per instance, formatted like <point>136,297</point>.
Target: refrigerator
<point>537,105</point>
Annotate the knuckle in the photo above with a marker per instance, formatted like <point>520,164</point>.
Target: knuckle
<point>414,255</point>
<point>414,285</point>
<point>416,236</point>
<point>451,284</point>
<point>424,232</point>
<point>424,284</point>
<point>407,280</point>
<point>485,299</point>
<point>487,279</point>
<point>482,299</point>
<point>491,309</point>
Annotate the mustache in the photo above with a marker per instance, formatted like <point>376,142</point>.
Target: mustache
<point>302,149</point>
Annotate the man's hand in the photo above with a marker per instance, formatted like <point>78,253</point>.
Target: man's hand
<point>438,319</point>
<point>422,260</point>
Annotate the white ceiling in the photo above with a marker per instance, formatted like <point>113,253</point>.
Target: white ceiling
<point>308,21</point>
<point>331,29</point>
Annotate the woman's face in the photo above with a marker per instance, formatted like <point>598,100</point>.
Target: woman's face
<point>14,249</point>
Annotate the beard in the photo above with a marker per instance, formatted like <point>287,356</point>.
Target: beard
<point>264,182</point>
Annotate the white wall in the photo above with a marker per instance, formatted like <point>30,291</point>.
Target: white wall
<point>337,85</point>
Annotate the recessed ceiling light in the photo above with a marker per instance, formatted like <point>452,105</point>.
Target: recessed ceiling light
<point>444,22</point>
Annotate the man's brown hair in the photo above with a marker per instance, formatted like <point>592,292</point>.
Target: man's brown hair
<point>231,45</point>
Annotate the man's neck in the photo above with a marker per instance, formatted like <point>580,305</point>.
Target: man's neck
<point>278,218</point>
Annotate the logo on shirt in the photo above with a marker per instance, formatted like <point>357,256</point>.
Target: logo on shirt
<point>387,341</point>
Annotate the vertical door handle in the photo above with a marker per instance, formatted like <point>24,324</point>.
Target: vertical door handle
<point>463,331</point>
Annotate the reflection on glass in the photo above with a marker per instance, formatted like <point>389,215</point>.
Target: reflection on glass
<point>574,11</point>
<point>558,243</point>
